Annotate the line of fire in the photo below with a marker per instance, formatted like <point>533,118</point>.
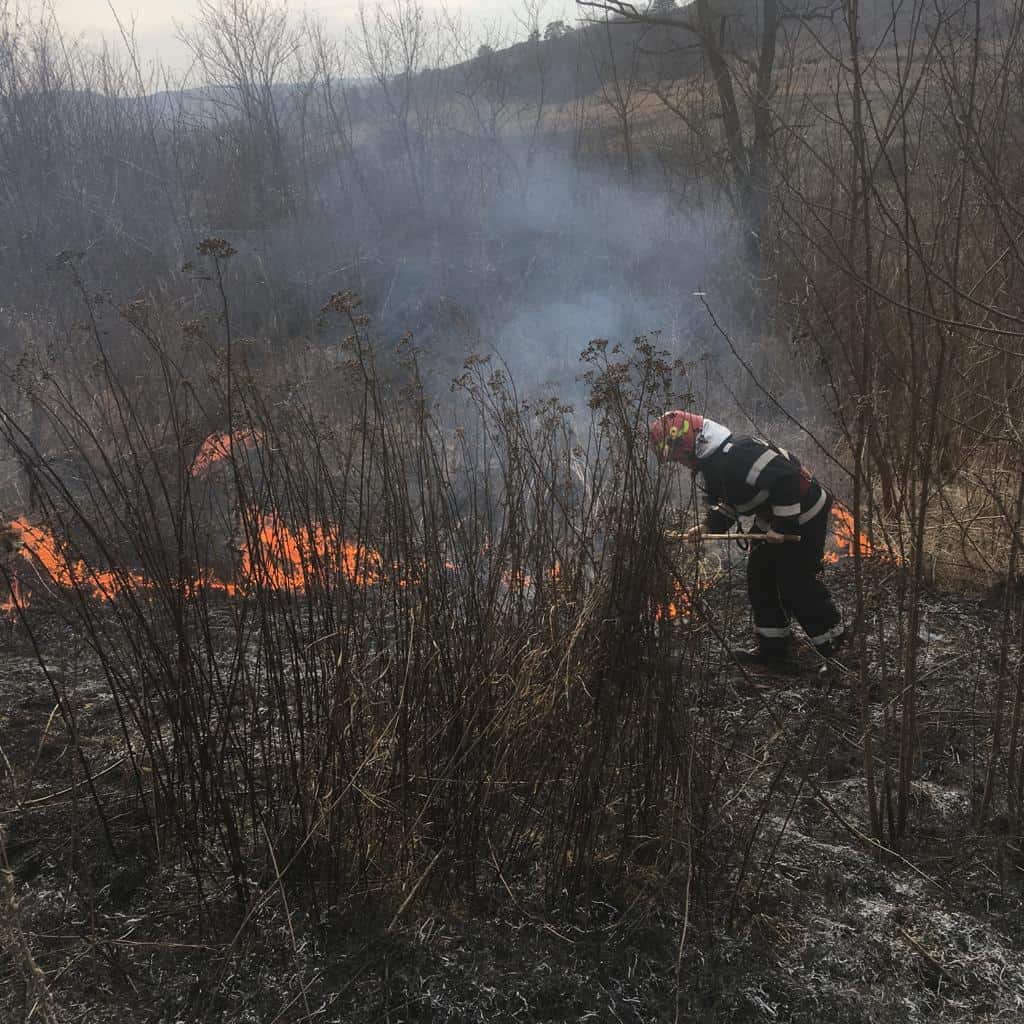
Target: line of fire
<point>279,557</point>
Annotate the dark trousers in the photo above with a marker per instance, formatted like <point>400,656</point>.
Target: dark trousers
<point>783,580</point>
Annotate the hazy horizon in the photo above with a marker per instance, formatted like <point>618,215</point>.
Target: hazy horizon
<point>156,33</point>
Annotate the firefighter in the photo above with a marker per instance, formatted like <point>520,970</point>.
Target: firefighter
<point>747,476</point>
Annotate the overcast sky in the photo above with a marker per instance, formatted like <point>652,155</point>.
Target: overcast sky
<point>154,19</point>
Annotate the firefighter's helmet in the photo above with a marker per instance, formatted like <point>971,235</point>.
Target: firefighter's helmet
<point>674,437</point>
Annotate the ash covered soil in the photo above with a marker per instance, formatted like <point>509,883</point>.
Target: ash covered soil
<point>824,925</point>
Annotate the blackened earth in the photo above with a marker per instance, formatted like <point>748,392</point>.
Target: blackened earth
<point>826,924</point>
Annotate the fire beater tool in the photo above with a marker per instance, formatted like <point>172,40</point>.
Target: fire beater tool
<point>792,538</point>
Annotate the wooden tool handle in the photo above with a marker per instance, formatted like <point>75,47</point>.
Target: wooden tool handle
<point>790,538</point>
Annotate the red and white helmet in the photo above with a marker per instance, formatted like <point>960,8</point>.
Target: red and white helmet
<point>686,437</point>
<point>674,437</point>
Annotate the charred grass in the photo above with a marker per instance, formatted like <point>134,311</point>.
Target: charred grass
<point>789,914</point>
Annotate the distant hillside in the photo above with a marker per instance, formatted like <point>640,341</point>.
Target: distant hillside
<point>564,61</point>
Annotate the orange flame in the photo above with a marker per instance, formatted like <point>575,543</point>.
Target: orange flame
<point>39,544</point>
<point>273,556</point>
<point>18,599</point>
<point>672,610</point>
<point>285,559</point>
<point>218,447</point>
<point>276,558</point>
<point>843,531</point>
<point>680,606</point>
<point>520,580</point>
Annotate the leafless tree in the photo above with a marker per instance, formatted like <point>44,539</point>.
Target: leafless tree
<point>741,59</point>
<point>619,75</point>
<point>244,52</point>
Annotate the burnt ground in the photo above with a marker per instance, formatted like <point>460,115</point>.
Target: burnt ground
<point>823,927</point>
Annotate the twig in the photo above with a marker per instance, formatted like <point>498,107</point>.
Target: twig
<point>934,961</point>
<point>415,889</point>
<point>39,801</point>
<point>14,941</point>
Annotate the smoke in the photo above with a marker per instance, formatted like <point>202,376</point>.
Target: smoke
<point>596,258</point>
<point>529,260</point>
<point>528,263</point>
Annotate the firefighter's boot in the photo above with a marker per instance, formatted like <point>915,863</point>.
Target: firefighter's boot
<point>767,657</point>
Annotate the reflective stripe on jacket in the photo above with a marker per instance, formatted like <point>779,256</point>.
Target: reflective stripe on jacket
<point>747,476</point>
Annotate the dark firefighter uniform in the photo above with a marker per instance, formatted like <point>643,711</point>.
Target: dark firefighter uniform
<point>747,476</point>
